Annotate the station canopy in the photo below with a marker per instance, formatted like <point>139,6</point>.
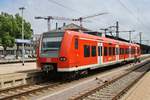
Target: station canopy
<point>25,41</point>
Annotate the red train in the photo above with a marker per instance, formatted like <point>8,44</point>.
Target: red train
<point>72,51</point>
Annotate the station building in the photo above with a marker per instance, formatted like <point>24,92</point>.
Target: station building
<point>29,47</point>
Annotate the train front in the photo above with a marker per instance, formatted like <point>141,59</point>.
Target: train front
<point>48,51</point>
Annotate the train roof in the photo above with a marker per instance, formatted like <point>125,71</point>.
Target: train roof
<point>93,37</point>
<point>88,35</point>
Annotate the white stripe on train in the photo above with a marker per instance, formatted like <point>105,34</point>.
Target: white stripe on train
<point>91,66</point>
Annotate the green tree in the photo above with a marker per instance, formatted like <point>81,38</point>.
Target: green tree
<point>7,41</point>
<point>10,29</point>
<point>18,28</point>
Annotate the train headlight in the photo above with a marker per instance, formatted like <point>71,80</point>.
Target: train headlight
<point>62,58</point>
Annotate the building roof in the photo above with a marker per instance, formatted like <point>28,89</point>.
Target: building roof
<point>72,26</point>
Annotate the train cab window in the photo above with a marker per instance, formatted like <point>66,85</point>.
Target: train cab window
<point>105,51</point>
<point>99,50</point>
<point>76,43</point>
<point>86,51</point>
<point>93,52</point>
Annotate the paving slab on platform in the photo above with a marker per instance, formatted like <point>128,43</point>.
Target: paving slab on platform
<point>16,67</point>
<point>140,91</point>
<point>4,61</point>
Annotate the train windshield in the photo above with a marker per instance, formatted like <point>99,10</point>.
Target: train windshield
<point>51,43</point>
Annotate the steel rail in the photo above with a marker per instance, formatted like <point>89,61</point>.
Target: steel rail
<point>87,93</point>
<point>28,91</point>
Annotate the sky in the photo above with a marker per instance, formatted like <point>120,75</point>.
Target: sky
<point>131,14</point>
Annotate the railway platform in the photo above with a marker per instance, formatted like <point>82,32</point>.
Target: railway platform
<point>2,61</point>
<point>140,91</point>
<point>16,67</point>
<point>15,74</point>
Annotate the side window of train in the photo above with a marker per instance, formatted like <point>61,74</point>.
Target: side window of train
<point>120,51</point>
<point>110,53</point>
<point>113,50</point>
<point>99,50</point>
<point>105,51</point>
<point>86,51</point>
<point>93,51</point>
<point>76,43</point>
<point>117,51</point>
<point>127,51</point>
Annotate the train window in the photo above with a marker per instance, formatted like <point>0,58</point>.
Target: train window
<point>132,51</point>
<point>76,43</point>
<point>93,51</point>
<point>113,50</point>
<point>105,51</point>
<point>138,50</point>
<point>120,51</point>
<point>86,51</point>
<point>123,51</point>
<point>110,53</point>
<point>99,50</point>
<point>117,51</point>
<point>127,51</point>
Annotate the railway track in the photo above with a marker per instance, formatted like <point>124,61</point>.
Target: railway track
<point>29,90</point>
<point>25,91</point>
<point>114,89</point>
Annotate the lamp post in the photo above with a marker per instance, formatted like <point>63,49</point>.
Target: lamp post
<point>22,8</point>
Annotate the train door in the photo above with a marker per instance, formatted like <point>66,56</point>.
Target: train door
<point>117,52</point>
<point>100,58</point>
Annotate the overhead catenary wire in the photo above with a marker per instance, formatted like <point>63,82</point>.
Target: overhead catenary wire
<point>137,18</point>
<point>131,12</point>
<point>75,10</point>
<point>68,8</point>
<point>64,6</point>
